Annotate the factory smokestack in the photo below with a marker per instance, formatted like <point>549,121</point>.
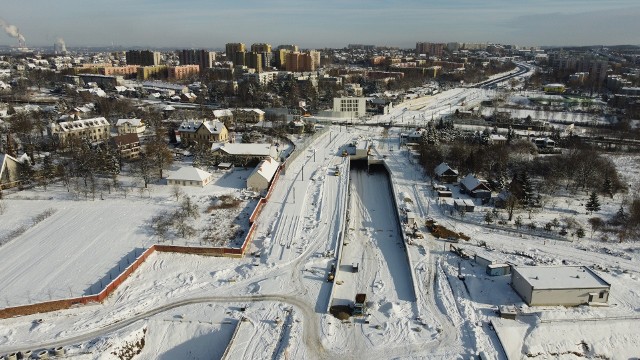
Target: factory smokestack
<point>59,47</point>
<point>12,31</point>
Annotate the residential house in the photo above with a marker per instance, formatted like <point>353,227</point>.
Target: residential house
<point>95,130</point>
<point>224,115</point>
<point>8,171</point>
<point>497,139</point>
<point>444,173</point>
<point>248,116</point>
<point>475,187</point>
<point>130,126</point>
<point>262,175</point>
<point>189,176</point>
<point>465,205</point>
<point>202,132</point>
<point>127,145</point>
<point>296,127</point>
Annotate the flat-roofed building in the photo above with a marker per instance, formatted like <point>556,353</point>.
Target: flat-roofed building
<point>559,285</point>
<point>203,58</point>
<point>143,57</point>
<point>183,71</point>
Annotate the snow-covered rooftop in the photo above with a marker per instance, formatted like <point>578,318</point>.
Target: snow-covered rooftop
<point>560,277</point>
<point>243,149</point>
<point>189,173</point>
<point>132,122</point>
<point>266,169</point>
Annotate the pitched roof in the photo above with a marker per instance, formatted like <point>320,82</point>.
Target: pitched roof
<point>223,112</point>
<point>125,139</point>
<point>471,182</point>
<point>442,168</point>
<point>214,127</point>
<point>191,126</point>
<point>189,173</point>
<point>132,122</point>
<point>243,149</point>
<point>80,124</point>
<point>266,169</point>
<point>4,158</point>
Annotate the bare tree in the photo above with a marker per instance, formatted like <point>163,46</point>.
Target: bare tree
<point>177,192</point>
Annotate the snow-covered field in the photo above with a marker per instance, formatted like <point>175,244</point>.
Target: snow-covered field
<point>188,306</point>
<point>84,244</point>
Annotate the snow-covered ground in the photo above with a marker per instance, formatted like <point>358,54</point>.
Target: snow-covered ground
<point>188,306</point>
<point>84,244</point>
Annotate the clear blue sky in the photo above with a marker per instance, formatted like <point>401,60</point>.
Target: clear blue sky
<point>321,23</point>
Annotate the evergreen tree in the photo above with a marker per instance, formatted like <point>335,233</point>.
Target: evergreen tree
<point>522,188</point>
<point>607,187</point>
<point>510,135</point>
<point>488,217</point>
<point>594,203</point>
<point>518,222</point>
<point>621,217</point>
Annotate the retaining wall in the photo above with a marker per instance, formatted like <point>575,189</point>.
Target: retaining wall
<point>345,201</point>
<point>392,185</point>
<point>55,305</point>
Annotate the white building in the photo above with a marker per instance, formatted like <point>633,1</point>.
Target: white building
<point>245,150</point>
<point>130,126</point>
<point>559,285</point>
<point>189,176</point>
<point>261,176</point>
<point>8,171</point>
<point>346,108</point>
<point>94,130</point>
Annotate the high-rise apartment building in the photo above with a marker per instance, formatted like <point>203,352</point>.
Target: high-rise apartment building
<point>281,58</point>
<point>265,51</point>
<point>315,58</point>
<point>299,62</point>
<point>232,48</point>
<point>431,49</point>
<point>143,57</point>
<point>254,61</point>
<point>292,48</point>
<point>261,48</point>
<point>205,59</point>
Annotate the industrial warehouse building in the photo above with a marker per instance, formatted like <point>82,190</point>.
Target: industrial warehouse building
<point>559,285</point>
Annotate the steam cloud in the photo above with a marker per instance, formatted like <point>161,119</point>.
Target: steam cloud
<point>12,31</point>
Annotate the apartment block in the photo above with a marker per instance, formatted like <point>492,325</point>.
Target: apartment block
<point>203,58</point>
<point>430,49</point>
<point>94,130</point>
<point>299,62</point>
<point>126,71</point>
<point>183,71</point>
<point>232,48</point>
<point>143,57</point>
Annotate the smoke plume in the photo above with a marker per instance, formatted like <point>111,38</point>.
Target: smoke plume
<point>12,31</point>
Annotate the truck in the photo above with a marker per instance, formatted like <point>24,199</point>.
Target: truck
<point>360,305</point>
